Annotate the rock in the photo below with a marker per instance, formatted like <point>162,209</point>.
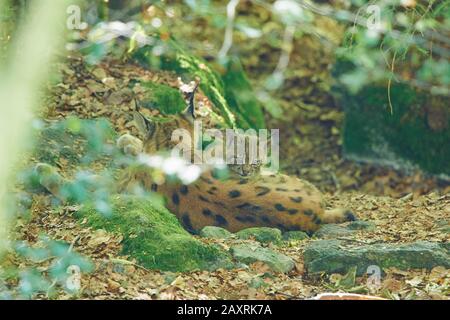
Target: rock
<point>251,253</point>
<point>55,142</point>
<point>331,256</point>
<point>445,229</point>
<point>361,225</point>
<point>344,296</point>
<point>154,237</point>
<point>294,235</point>
<point>397,132</point>
<point>215,233</point>
<point>49,178</point>
<point>261,234</point>
<point>332,231</point>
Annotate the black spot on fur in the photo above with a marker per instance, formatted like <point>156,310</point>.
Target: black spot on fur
<point>317,220</point>
<point>184,190</point>
<point>262,191</point>
<point>187,223</point>
<point>244,205</point>
<point>296,199</point>
<point>243,181</point>
<point>245,219</point>
<point>281,189</point>
<point>297,190</point>
<point>265,219</point>
<point>349,216</point>
<point>248,206</point>
<point>220,204</point>
<point>212,190</point>
<point>175,198</point>
<point>308,212</point>
<point>202,198</point>
<point>220,220</point>
<point>279,207</point>
<point>208,181</point>
<point>292,211</point>
<point>234,194</point>
<point>207,213</point>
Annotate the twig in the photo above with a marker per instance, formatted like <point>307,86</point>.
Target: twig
<point>390,82</point>
<point>228,38</point>
<point>126,262</point>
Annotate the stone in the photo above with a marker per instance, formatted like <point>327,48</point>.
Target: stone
<point>215,233</point>
<point>295,235</point>
<point>247,254</point>
<point>332,231</point>
<point>361,225</point>
<point>261,234</point>
<point>331,256</point>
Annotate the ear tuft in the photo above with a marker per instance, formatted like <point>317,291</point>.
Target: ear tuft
<point>145,126</point>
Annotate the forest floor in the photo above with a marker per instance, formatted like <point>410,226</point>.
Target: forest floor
<point>405,207</point>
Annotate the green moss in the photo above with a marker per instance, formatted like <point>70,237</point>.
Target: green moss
<point>232,93</point>
<point>153,236</point>
<point>261,234</point>
<point>239,94</point>
<point>295,236</point>
<point>166,99</point>
<point>372,133</point>
<point>55,142</point>
<point>180,61</point>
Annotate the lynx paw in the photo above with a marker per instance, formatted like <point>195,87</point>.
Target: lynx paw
<point>338,215</point>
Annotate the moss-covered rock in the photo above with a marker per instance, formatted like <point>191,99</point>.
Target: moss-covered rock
<point>49,178</point>
<point>332,231</point>
<point>295,236</point>
<point>166,99</point>
<point>241,97</point>
<point>414,134</point>
<point>154,236</point>
<point>55,142</point>
<point>215,233</point>
<point>361,225</point>
<point>231,94</point>
<point>278,262</point>
<point>73,141</point>
<point>180,61</point>
<point>332,256</point>
<point>261,234</point>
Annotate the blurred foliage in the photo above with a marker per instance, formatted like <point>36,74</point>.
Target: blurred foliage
<point>408,44</point>
<point>404,41</point>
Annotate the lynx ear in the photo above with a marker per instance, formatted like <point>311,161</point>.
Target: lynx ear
<point>145,126</point>
<point>190,110</point>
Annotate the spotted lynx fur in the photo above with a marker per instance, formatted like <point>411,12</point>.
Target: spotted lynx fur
<point>246,199</point>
